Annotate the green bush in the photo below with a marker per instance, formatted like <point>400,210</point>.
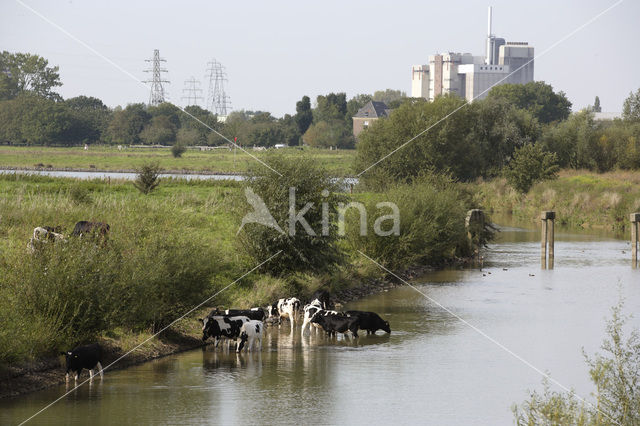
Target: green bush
<point>147,179</point>
<point>432,228</point>
<point>177,150</point>
<point>616,376</point>
<point>530,164</point>
<point>301,252</point>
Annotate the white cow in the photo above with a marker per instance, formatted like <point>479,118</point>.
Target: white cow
<point>310,310</point>
<point>251,333</point>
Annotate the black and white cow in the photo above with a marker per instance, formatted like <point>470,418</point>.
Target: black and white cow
<point>370,321</point>
<point>83,357</point>
<point>44,234</point>
<point>333,324</point>
<point>324,298</point>
<point>315,307</point>
<point>253,313</point>
<point>251,333</point>
<point>219,326</point>
<point>284,308</point>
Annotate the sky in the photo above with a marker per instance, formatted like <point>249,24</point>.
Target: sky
<point>278,51</point>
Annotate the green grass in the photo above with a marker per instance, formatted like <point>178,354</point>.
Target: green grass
<point>581,199</point>
<point>338,163</point>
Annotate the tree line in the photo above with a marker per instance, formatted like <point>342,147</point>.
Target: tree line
<point>32,113</point>
<point>524,132</point>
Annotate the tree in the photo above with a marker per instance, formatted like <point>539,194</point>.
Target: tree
<point>300,250</point>
<point>531,164</point>
<point>160,131</point>
<point>23,72</point>
<point>90,118</point>
<point>147,178</point>
<point>326,134</point>
<point>330,107</point>
<point>203,130</point>
<point>631,107</point>
<point>168,110</point>
<point>537,97</point>
<point>126,124</point>
<point>355,103</point>
<point>34,120</point>
<point>574,140</point>
<point>388,96</point>
<point>304,115</point>
<point>596,105</point>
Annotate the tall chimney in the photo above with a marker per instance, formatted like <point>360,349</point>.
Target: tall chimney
<point>489,58</point>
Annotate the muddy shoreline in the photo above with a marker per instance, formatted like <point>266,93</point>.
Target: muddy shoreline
<point>41,374</point>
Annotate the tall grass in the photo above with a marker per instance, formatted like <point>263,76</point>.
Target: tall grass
<point>580,198</point>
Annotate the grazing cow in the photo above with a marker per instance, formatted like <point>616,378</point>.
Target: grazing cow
<point>43,234</point>
<point>370,321</point>
<point>324,298</point>
<point>98,229</point>
<point>253,313</point>
<point>219,326</point>
<point>251,332</point>
<point>333,324</point>
<point>289,308</point>
<point>87,357</point>
<point>310,310</point>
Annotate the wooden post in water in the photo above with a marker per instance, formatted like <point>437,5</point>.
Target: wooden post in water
<point>635,230</point>
<point>475,225</point>
<point>547,236</point>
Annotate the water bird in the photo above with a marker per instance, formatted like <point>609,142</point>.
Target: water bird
<point>532,275</point>
<point>504,269</point>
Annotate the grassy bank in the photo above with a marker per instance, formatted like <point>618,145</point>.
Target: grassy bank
<point>107,158</point>
<point>581,199</point>
<point>171,249</point>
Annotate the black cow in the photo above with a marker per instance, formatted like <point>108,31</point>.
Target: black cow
<point>324,298</point>
<point>83,357</point>
<point>370,321</point>
<point>98,229</point>
<point>253,313</point>
<point>332,323</point>
<point>218,326</point>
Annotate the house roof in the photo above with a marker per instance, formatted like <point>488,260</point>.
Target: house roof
<point>373,109</point>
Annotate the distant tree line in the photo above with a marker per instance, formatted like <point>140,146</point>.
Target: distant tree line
<point>483,138</point>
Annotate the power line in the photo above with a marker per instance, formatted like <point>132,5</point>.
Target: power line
<point>192,88</point>
<point>217,100</point>
<point>157,96</point>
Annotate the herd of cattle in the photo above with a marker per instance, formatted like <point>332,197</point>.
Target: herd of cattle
<point>247,325</point>
<point>52,234</point>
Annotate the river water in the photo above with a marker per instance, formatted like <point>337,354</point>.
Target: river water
<point>432,369</point>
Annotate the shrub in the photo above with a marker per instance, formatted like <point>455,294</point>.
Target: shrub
<point>302,251</point>
<point>432,229</point>
<point>177,150</point>
<point>530,165</point>
<point>616,376</point>
<point>147,179</point>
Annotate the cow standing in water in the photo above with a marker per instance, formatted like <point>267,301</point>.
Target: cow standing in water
<point>251,333</point>
<point>83,357</point>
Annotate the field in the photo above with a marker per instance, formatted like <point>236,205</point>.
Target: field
<point>581,199</point>
<point>107,158</point>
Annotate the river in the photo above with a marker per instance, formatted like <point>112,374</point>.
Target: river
<point>432,369</point>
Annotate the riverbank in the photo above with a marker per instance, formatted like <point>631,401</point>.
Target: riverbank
<point>40,374</point>
<point>581,199</point>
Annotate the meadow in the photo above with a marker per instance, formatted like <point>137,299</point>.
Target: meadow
<point>109,158</point>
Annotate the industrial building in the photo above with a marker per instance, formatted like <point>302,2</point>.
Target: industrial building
<point>470,76</point>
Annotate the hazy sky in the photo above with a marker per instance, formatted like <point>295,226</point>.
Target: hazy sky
<point>275,52</point>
